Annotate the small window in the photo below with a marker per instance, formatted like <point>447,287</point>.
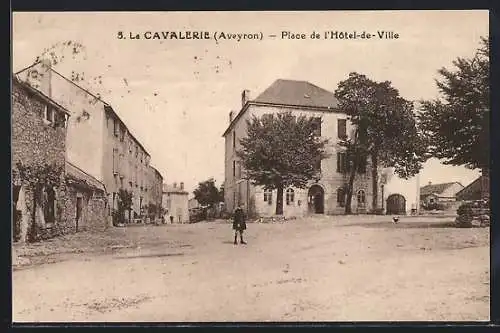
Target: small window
<point>234,168</point>
<point>342,128</point>
<point>290,196</point>
<point>341,196</point>
<point>116,127</point>
<point>115,161</point>
<point>361,198</point>
<point>268,196</point>
<point>234,139</point>
<point>48,114</point>
<point>341,162</point>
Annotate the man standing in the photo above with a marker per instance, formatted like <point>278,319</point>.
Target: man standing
<point>239,225</point>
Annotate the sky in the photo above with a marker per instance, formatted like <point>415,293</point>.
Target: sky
<point>175,95</point>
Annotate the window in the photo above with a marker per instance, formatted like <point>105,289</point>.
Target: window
<point>268,196</point>
<point>234,169</point>
<point>341,196</point>
<point>120,164</point>
<point>115,161</point>
<point>49,114</point>
<point>317,126</point>
<point>361,198</point>
<point>234,139</point>
<point>59,119</point>
<point>341,162</point>
<point>342,128</point>
<point>290,196</point>
<point>122,135</point>
<point>116,127</point>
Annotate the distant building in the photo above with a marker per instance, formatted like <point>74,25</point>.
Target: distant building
<point>328,195</point>
<point>98,141</point>
<point>477,190</point>
<point>444,193</point>
<point>175,202</point>
<point>156,190</point>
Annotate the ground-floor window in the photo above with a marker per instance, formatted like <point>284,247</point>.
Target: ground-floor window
<point>290,196</point>
<point>361,198</point>
<point>268,196</point>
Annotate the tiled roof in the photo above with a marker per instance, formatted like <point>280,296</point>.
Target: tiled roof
<point>77,173</point>
<point>435,188</point>
<point>167,188</point>
<point>299,93</point>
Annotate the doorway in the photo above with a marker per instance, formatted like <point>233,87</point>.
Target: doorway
<point>79,205</point>
<point>396,204</point>
<point>316,200</point>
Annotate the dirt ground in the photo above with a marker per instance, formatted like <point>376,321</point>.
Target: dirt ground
<point>315,269</point>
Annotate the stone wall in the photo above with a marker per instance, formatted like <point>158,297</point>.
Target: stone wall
<point>93,216</point>
<point>35,142</point>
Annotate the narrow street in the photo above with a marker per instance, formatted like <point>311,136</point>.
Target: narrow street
<point>316,269</point>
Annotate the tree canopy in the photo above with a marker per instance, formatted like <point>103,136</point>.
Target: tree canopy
<point>207,193</point>
<point>385,130</point>
<point>456,125</point>
<point>282,150</point>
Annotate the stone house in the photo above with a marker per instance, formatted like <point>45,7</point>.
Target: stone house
<point>38,152</point>
<point>86,202</point>
<point>477,190</point>
<point>98,141</point>
<point>444,194</point>
<point>327,196</point>
<point>72,202</point>
<point>175,202</point>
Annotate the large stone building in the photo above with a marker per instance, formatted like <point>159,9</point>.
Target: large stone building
<point>175,202</point>
<point>156,190</point>
<point>327,196</point>
<point>49,196</point>
<point>98,141</point>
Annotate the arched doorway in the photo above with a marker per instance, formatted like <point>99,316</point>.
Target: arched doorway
<point>396,204</point>
<point>316,199</point>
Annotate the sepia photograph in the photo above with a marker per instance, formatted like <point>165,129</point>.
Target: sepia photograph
<point>251,166</point>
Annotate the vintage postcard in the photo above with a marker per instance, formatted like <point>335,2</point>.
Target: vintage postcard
<point>250,166</point>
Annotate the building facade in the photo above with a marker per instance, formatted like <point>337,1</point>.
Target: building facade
<point>326,196</point>
<point>175,202</point>
<point>155,193</point>
<point>98,141</point>
<point>38,157</point>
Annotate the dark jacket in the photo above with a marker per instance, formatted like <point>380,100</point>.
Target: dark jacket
<point>239,220</point>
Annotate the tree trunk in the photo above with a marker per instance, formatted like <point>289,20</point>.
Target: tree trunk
<point>279,200</point>
<point>349,190</point>
<point>374,166</point>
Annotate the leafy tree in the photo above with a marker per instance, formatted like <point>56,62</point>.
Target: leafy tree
<point>385,131</point>
<point>207,193</point>
<point>457,124</point>
<point>124,204</point>
<point>282,150</point>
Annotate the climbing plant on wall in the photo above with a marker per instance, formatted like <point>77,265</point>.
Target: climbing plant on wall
<point>36,176</point>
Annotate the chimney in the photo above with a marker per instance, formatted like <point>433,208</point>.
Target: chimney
<point>430,183</point>
<point>231,115</point>
<point>175,185</point>
<point>245,97</point>
<point>182,185</point>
